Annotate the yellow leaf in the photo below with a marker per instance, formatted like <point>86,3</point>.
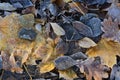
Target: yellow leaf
<point>68,74</point>
<point>57,29</point>
<point>46,67</point>
<point>67,1</point>
<point>86,43</point>
<point>107,50</point>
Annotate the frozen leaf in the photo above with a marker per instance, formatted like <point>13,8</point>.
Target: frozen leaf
<point>114,11</point>
<point>57,29</point>
<point>111,30</point>
<point>28,34</point>
<point>78,56</point>
<point>64,62</point>
<point>71,33</point>
<point>26,20</point>
<point>7,6</point>
<point>82,28</point>
<point>38,27</point>
<point>95,25</point>
<point>61,47</point>
<point>92,2</point>
<point>68,74</point>
<point>86,43</point>
<point>115,73</point>
<point>25,3</point>
<point>1,64</point>
<point>93,67</point>
<point>46,67</point>
<point>107,50</point>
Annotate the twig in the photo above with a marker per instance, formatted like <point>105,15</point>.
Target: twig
<point>27,72</point>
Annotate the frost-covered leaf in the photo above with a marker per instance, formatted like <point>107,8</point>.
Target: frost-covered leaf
<point>7,6</point>
<point>107,50</point>
<point>93,67</point>
<point>114,11</point>
<point>57,29</point>
<point>86,43</point>
<point>111,30</point>
<point>64,62</point>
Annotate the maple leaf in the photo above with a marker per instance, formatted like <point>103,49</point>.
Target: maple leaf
<point>107,50</point>
<point>93,67</point>
<point>111,29</point>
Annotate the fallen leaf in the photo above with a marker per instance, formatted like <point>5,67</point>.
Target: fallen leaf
<point>82,28</point>
<point>93,67</point>
<point>111,30</point>
<point>86,43</point>
<point>77,6</point>
<point>107,50</point>
<point>67,1</point>
<point>7,6</point>
<point>68,74</point>
<point>57,29</point>
<point>64,62</point>
<point>46,67</point>
<point>114,11</point>
<point>115,73</point>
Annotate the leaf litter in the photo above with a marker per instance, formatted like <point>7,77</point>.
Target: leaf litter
<point>59,39</point>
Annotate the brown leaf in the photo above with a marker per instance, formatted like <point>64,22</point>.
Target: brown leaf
<point>5,57</point>
<point>80,8</point>
<point>93,67</point>
<point>107,50</point>
<point>46,67</point>
<point>111,30</point>
<point>68,74</point>
<point>28,10</point>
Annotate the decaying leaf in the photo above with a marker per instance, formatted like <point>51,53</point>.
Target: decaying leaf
<point>107,50</point>
<point>115,73</point>
<point>93,67</point>
<point>46,67</point>
<point>47,54</point>
<point>57,29</point>
<point>7,6</point>
<point>9,63</point>
<point>86,43</point>
<point>68,74</point>
<point>64,62</point>
<point>111,30</point>
<point>80,8</point>
<point>114,11</point>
